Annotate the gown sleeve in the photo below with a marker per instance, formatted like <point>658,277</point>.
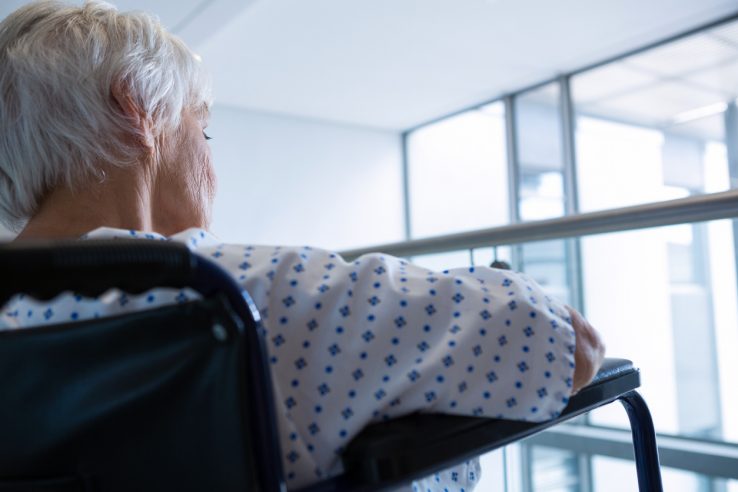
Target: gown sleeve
<point>376,338</point>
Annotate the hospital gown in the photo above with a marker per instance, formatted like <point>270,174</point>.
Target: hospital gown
<point>352,343</point>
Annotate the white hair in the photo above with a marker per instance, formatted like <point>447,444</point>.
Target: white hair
<point>59,124</point>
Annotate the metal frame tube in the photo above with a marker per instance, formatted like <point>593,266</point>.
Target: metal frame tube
<point>568,148</point>
<point>698,208</point>
<point>731,147</point>
<point>513,176</point>
<point>644,442</point>
<point>406,185</point>
<point>571,191</point>
<point>513,165</point>
<point>731,141</point>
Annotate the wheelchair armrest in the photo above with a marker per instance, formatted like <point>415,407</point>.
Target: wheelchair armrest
<point>415,446</point>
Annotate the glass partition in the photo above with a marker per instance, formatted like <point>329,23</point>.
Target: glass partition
<point>457,173</point>
<point>540,154</point>
<point>653,126</point>
<point>443,261</point>
<point>555,469</point>
<point>667,299</point>
<point>650,127</point>
<point>616,475</point>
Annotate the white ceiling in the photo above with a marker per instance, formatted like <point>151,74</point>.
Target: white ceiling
<point>396,63</point>
<point>681,87</point>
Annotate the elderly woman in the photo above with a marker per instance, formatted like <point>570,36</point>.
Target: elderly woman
<point>102,134</point>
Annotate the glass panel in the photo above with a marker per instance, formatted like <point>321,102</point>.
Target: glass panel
<point>546,262</point>
<point>497,257</point>
<point>616,475</point>
<point>554,469</point>
<point>538,126</point>
<point>653,126</point>
<point>458,173</point>
<point>443,261</point>
<point>541,186</point>
<point>667,299</point>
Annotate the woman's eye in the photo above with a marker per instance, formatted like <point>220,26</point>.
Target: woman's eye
<point>206,136</point>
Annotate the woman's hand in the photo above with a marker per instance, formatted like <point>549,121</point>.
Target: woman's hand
<point>589,352</point>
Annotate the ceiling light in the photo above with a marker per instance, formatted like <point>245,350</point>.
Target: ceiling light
<point>698,113</point>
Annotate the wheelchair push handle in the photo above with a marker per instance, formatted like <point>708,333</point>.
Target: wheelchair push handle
<point>44,269</point>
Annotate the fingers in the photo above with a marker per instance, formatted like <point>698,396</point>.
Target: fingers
<point>589,352</point>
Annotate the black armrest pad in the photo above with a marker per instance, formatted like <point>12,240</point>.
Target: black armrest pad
<point>417,445</point>
<point>612,368</point>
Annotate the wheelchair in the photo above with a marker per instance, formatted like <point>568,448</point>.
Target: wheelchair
<point>180,398</point>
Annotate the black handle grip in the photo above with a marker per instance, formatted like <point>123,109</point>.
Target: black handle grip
<point>43,269</point>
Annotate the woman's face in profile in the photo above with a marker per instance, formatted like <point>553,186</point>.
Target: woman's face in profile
<point>186,182</point>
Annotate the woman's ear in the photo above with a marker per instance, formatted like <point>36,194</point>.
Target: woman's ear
<point>141,123</point>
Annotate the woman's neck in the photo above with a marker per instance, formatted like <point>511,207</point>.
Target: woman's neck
<point>123,201</point>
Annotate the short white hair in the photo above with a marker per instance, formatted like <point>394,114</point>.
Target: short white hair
<point>59,124</point>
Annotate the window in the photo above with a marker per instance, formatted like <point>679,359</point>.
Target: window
<point>667,298</point>
<point>457,173</point>
<point>540,155</point>
<point>660,116</point>
<point>541,195</point>
<point>651,127</point>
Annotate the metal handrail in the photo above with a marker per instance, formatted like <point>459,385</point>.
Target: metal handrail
<point>698,208</point>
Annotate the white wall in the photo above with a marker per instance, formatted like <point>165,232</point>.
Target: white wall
<point>283,180</point>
